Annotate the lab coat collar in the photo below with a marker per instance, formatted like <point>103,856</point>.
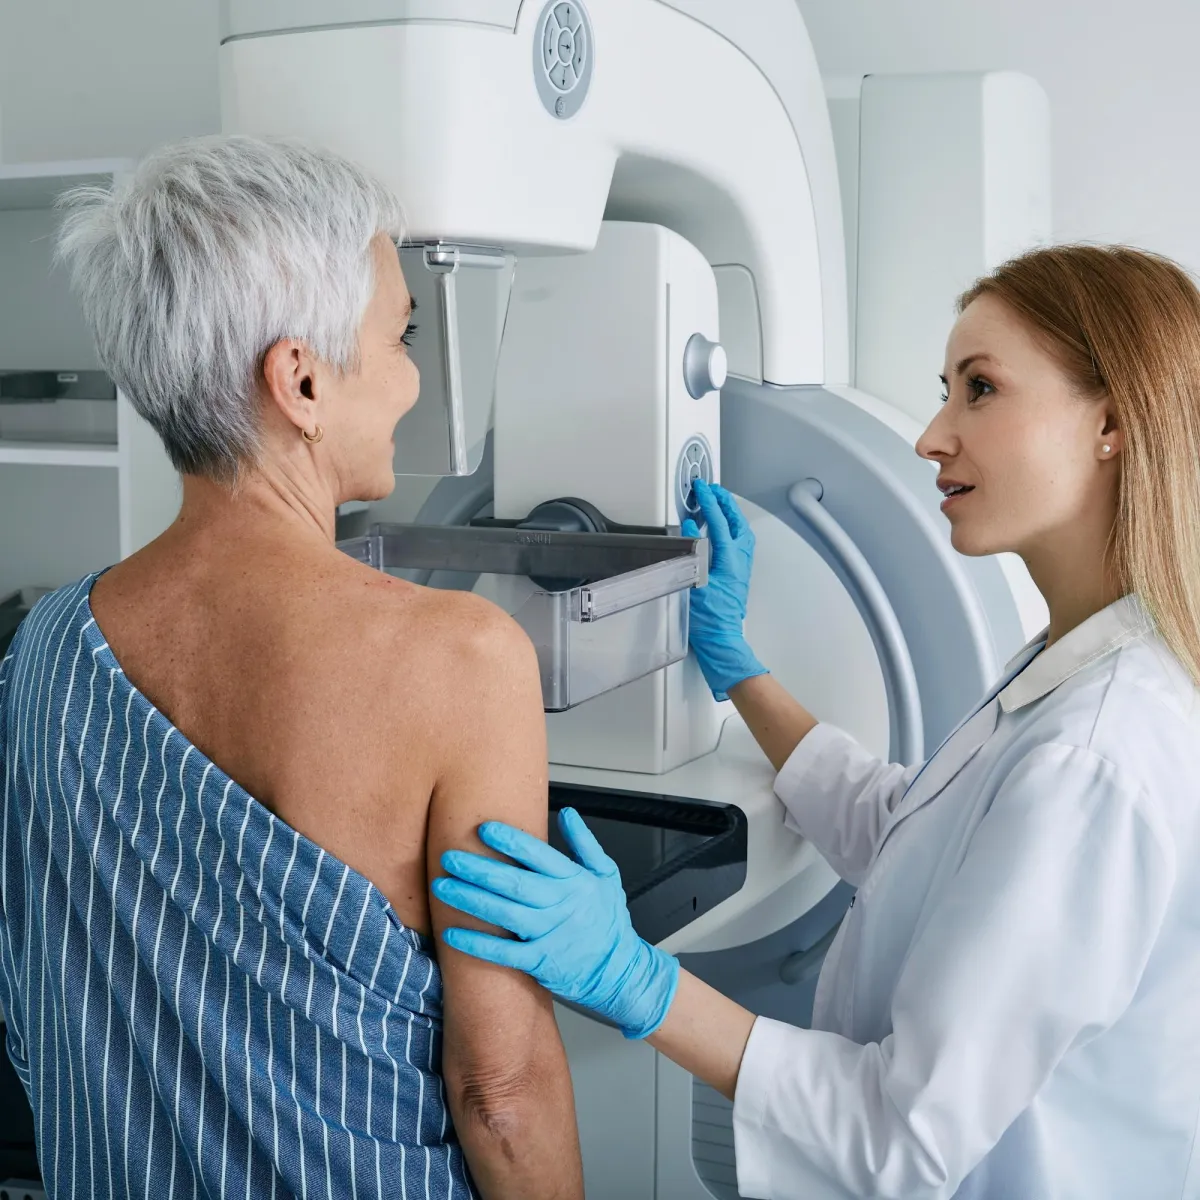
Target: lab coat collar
<point>1111,628</point>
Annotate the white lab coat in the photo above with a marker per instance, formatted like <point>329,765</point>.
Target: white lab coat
<point>1011,1009</point>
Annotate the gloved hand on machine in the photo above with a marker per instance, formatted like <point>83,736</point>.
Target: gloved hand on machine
<point>569,914</point>
<point>718,611</point>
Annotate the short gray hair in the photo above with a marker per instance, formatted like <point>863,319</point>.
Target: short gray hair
<point>210,253</point>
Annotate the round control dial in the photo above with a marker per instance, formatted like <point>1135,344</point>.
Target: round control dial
<point>563,57</point>
<point>695,462</point>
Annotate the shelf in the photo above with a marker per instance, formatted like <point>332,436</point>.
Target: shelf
<point>58,454</point>
<point>37,185</point>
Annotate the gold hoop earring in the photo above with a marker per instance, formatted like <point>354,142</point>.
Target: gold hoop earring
<point>314,437</point>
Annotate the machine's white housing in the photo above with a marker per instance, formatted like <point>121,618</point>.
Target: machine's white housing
<point>704,117</point>
<point>590,394</point>
<point>591,401</point>
<point>448,114</point>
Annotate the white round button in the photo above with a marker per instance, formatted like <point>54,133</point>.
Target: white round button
<point>705,366</point>
<point>718,367</point>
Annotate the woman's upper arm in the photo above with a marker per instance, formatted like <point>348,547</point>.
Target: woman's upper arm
<point>497,1020</point>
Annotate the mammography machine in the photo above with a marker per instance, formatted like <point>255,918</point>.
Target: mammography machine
<point>625,232</point>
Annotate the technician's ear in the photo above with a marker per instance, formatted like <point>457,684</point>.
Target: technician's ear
<point>292,380</point>
<point>1111,439</point>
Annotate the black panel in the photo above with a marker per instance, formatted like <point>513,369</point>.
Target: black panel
<point>678,857</point>
<point>26,387</point>
<point>13,611</point>
<point>18,1154</point>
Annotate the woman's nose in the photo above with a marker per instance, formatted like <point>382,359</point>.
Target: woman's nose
<point>937,440</point>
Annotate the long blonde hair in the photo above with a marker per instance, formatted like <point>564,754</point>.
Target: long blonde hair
<point>1125,324</point>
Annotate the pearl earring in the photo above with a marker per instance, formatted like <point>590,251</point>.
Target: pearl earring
<point>1106,448</point>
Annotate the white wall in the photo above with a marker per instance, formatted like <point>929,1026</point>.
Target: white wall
<point>1123,88</point>
<point>82,78</point>
<point>101,78</point>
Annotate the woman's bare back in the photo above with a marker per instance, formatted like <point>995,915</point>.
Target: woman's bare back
<point>384,722</point>
<point>323,687</point>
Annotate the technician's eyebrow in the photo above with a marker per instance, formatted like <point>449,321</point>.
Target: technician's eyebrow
<point>412,307</point>
<point>963,363</point>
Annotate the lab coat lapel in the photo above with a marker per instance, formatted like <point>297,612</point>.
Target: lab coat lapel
<point>958,749</point>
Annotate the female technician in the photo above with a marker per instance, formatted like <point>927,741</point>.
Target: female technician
<point>1011,1007</point>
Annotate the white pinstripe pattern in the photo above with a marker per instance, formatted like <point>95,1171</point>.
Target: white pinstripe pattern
<point>112,940</point>
<point>158,810</point>
<point>87,981</point>
<point>114,916</point>
<point>59,1017</point>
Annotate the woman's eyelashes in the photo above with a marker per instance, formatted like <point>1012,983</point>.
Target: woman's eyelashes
<point>977,388</point>
<point>410,331</point>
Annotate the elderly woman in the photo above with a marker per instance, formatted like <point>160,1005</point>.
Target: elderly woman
<point>231,763</point>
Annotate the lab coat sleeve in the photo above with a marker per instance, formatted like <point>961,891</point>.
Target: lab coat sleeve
<point>1038,946</point>
<point>840,797</point>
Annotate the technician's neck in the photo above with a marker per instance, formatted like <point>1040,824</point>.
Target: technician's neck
<point>1075,585</point>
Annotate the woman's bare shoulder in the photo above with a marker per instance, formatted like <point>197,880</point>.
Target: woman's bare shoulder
<point>457,636</point>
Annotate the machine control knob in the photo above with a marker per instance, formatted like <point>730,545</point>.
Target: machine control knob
<point>705,366</point>
<point>568,514</point>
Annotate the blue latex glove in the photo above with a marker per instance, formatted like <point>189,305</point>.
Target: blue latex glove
<point>576,937</point>
<point>718,611</point>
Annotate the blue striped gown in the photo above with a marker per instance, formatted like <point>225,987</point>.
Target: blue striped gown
<point>201,1002</point>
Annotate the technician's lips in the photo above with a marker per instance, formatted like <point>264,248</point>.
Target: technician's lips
<point>953,490</point>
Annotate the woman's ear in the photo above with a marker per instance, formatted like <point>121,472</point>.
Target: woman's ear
<point>289,374</point>
<point>1111,439</point>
